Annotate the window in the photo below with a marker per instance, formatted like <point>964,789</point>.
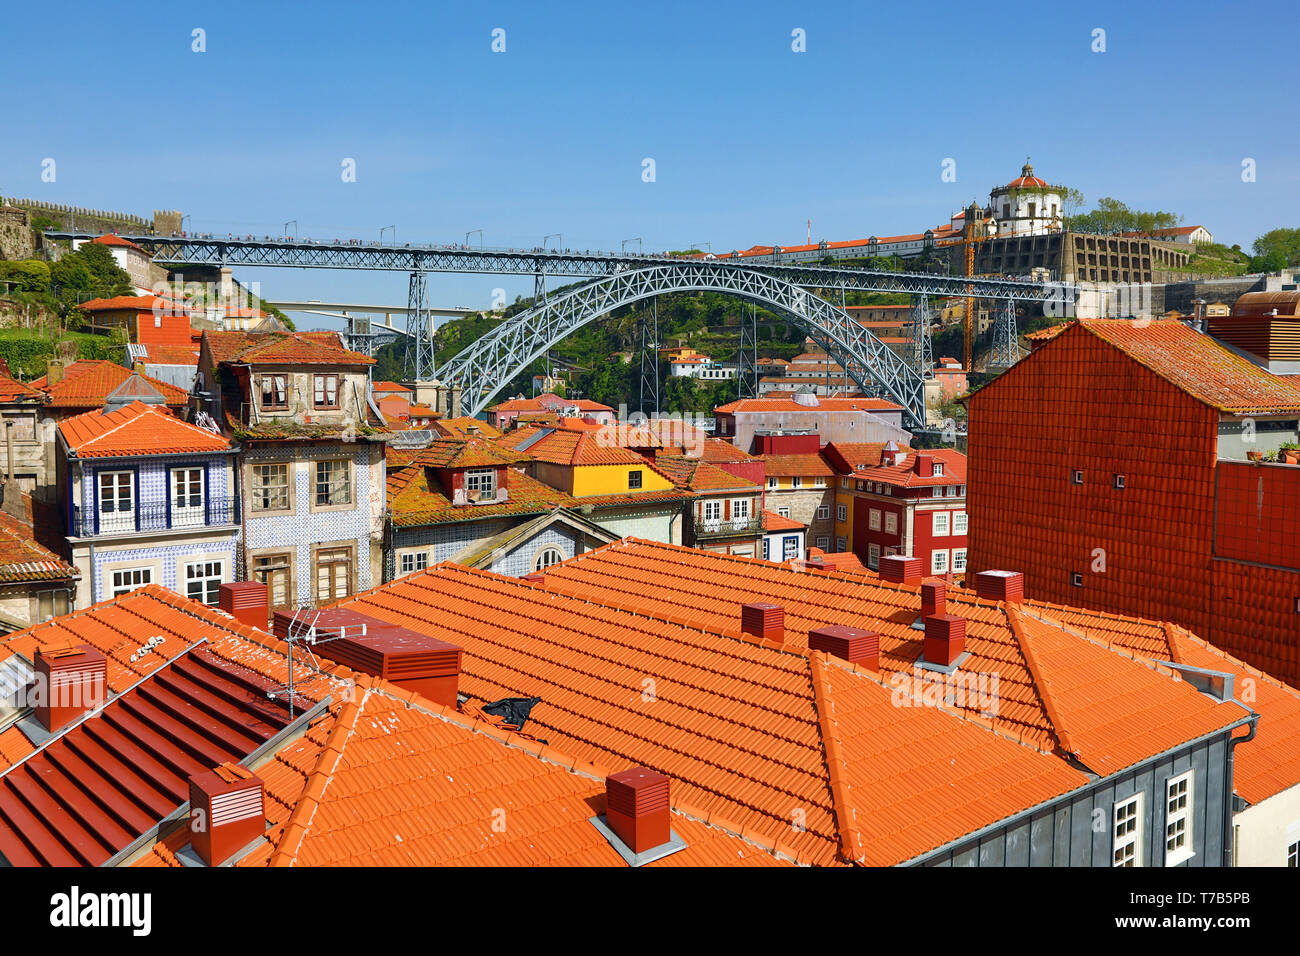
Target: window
<point>273,571</point>
<point>938,468</point>
<point>824,512</point>
<point>873,556</point>
<point>819,482</point>
<point>958,559</point>
<point>333,482</point>
<point>771,483</point>
<point>844,483</point>
<point>50,604</point>
<point>1076,477</point>
<point>891,523</point>
<point>203,581</point>
<point>1178,819</point>
<point>548,557</point>
<point>712,511</point>
<point>766,548</point>
<point>128,579</point>
<point>333,573</point>
<point>187,497</point>
<point>275,392</point>
<point>1127,832</point>
<point>873,519</point>
<point>823,541</point>
<point>790,547</point>
<point>116,501</point>
<point>481,484</point>
<point>634,478</point>
<point>415,561</point>
<point>325,391</point>
<point>959,520</point>
<point>1076,580</point>
<point>270,490</point>
<point>1293,855</point>
<point>1119,482</point>
<point>783,512</point>
<point>841,544</point>
<point>796,482</point>
<point>739,511</point>
<point>939,527</point>
<point>842,512</point>
<point>939,562</point>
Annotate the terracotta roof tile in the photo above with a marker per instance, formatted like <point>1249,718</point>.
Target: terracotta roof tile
<point>23,559</point>
<point>136,429</point>
<point>87,383</point>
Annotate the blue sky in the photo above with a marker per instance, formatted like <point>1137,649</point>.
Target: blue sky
<point>749,138</point>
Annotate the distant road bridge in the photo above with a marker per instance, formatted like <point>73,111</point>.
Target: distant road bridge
<point>615,279</point>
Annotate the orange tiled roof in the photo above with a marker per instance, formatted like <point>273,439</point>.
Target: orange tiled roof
<point>465,427</point>
<point>87,382</point>
<point>112,240</point>
<point>665,580</point>
<point>156,354</point>
<point>824,404</point>
<point>807,465</point>
<point>466,453</point>
<point>903,475</point>
<point>571,446</point>
<point>698,475</point>
<point>414,499</point>
<point>775,522</point>
<point>719,449</point>
<point>1198,364</point>
<point>389,387</point>
<point>136,429</point>
<point>282,348</point>
<point>12,390</point>
<point>23,559</point>
<point>857,455</point>
<point>140,303</point>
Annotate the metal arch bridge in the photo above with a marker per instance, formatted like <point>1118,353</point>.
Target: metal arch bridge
<point>497,358</point>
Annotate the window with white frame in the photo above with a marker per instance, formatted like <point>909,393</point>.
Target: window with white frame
<point>939,525</point>
<point>873,556</point>
<point>939,562</point>
<point>203,581</point>
<point>959,522</point>
<point>784,512</point>
<point>187,497</point>
<point>1126,832</point>
<point>771,483</point>
<point>823,541</point>
<point>712,511</point>
<point>414,561</point>
<point>270,487</point>
<point>128,579</point>
<point>548,557</point>
<point>958,559</point>
<point>1293,854</point>
<point>873,519</point>
<point>891,523</point>
<point>841,544</point>
<point>824,512</point>
<point>790,547</point>
<point>740,510</point>
<point>481,484</point>
<point>938,468</point>
<point>116,501</point>
<point>767,548</point>
<point>819,482</point>
<point>796,482</point>
<point>842,512</point>
<point>1178,818</point>
<point>845,483</point>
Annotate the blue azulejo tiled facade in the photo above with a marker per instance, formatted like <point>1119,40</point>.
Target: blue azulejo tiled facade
<point>313,518</point>
<point>152,519</point>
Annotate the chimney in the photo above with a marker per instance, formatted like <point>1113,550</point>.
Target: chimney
<point>901,569</point>
<point>246,602</point>
<point>637,808</point>
<point>934,597</point>
<point>53,372</point>
<point>945,639</point>
<point>762,620</point>
<point>851,644</point>
<point>227,812</point>
<point>1008,586</point>
<point>924,466</point>
<point>70,681</point>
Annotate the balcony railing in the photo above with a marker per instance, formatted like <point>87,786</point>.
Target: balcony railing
<point>88,522</point>
<point>716,527</point>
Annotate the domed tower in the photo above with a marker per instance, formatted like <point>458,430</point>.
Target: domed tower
<point>975,223</point>
<point>1027,206</point>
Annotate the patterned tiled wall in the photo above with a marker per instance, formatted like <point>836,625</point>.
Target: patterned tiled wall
<point>520,560</point>
<point>300,531</point>
<point>443,541</point>
<point>153,476</point>
<point>166,555</point>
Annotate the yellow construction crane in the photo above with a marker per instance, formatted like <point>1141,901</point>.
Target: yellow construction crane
<point>970,240</point>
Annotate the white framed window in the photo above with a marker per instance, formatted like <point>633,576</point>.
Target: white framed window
<point>819,482</point>
<point>548,557</point>
<point>713,511</point>
<point>841,544</point>
<point>481,484</point>
<point>1126,832</point>
<point>845,484</point>
<point>767,547</point>
<point>414,561</point>
<point>873,556</point>
<point>116,501</point>
<point>740,510</point>
<point>939,525</point>
<point>823,541</point>
<point>939,562</point>
<point>959,520</point>
<point>789,547</point>
<point>128,579</point>
<point>1293,854</point>
<point>772,483</point>
<point>958,559</point>
<point>842,512</point>
<point>796,482</point>
<point>891,523</point>
<point>873,519</point>
<point>187,497</point>
<point>1178,818</point>
<point>824,512</point>
<point>203,581</point>
<point>784,512</point>
<point>270,487</point>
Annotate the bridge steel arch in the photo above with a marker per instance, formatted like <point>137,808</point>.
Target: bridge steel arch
<point>484,368</point>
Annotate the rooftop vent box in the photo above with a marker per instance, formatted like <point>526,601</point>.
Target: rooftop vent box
<point>70,681</point>
<point>763,620</point>
<point>852,644</point>
<point>901,569</point>
<point>246,602</point>
<point>227,812</point>
<point>1008,586</point>
<point>637,816</point>
<point>945,641</point>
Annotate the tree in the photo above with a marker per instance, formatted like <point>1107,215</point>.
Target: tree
<point>1275,250</point>
<point>30,275</point>
<point>89,273</point>
<point>1112,216</point>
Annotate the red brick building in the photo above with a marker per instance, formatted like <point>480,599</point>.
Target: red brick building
<point>1112,466</point>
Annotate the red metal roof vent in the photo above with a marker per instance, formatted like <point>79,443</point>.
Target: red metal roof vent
<point>763,620</point>
<point>1008,586</point>
<point>637,808</point>
<point>227,812</point>
<point>853,644</point>
<point>246,602</point>
<point>408,658</point>
<point>537,577</point>
<point>69,682</point>
<point>934,597</point>
<point>901,569</point>
<point>945,639</point>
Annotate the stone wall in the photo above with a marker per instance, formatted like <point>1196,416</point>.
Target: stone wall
<point>15,234</point>
<point>99,220</point>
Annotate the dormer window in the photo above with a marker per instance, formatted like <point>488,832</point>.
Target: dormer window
<point>938,468</point>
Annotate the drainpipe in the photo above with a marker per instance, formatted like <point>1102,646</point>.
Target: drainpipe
<point>1229,796</point>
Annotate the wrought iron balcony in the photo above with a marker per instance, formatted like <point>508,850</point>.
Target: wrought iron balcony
<point>155,516</point>
<point>727,527</point>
